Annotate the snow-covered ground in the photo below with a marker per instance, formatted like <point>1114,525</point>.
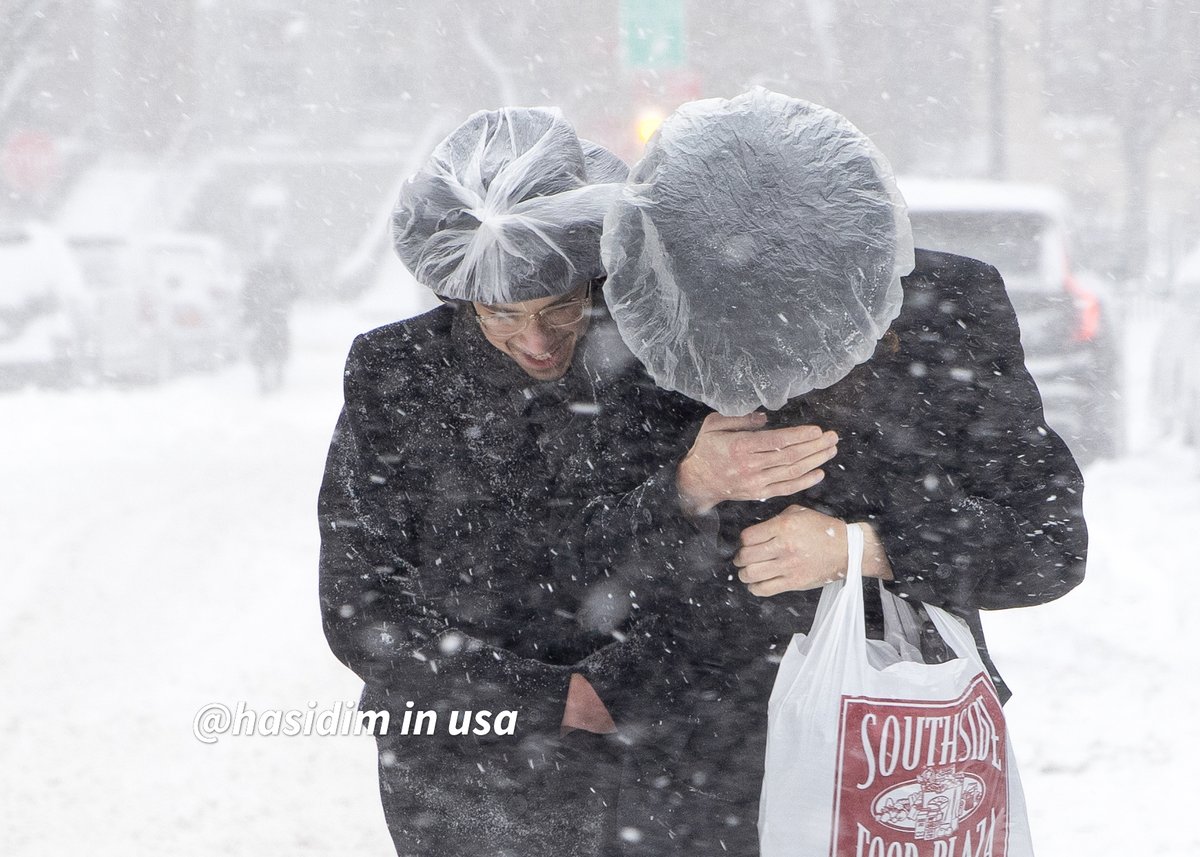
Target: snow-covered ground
<point>159,553</point>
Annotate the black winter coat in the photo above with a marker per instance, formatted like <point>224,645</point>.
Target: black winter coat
<point>457,566</point>
<point>460,571</point>
<point>943,447</point>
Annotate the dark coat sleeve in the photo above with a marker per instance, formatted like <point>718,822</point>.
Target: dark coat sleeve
<point>636,543</point>
<point>642,534</point>
<point>997,521</point>
<point>376,620</point>
<point>380,624</point>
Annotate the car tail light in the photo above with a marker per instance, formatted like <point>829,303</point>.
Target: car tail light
<point>189,317</point>
<point>1087,307</point>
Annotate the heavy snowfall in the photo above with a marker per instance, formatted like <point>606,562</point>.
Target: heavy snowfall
<point>158,493</point>
<point>162,555</point>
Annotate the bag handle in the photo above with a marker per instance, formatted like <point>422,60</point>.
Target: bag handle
<point>855,545</point>
<point>841,608</point>
<point>955,633</point>
<point>901,627</point>
<point>830,591</point>
<point>838,638</point>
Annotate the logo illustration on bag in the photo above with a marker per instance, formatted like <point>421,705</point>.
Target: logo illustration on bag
<point>922,779</point>
<point>932,805</point>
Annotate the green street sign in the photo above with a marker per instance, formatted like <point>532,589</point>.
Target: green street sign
<point>654,33</point>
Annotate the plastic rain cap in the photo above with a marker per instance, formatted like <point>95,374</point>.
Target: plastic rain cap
<point>756,251</point>
<point>508,208</point>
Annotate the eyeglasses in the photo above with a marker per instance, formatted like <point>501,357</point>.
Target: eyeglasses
<point>508,324</point>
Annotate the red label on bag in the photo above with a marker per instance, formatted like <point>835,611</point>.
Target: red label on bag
<point>921,779</point>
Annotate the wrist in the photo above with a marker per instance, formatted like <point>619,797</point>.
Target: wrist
<point>692,500</point>
<point>875,560</point>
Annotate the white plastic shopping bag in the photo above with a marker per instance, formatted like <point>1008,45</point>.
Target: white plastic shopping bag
<point>873,753</point>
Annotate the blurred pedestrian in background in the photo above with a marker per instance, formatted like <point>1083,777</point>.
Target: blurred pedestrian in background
<point>267,300</point>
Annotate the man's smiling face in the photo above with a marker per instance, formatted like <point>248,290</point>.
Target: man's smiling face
<point>540,335</point>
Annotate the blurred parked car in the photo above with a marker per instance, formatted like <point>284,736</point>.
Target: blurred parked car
<point>129,334</point>
<point>165,303</point>
<point>44,308</point>
<point>1068,335</point>
<point>201,290</point>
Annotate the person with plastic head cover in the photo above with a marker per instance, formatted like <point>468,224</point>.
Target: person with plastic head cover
<point>760,261</point>
<point>464,570</point>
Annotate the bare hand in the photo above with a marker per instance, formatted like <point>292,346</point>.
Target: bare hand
<point>585,710</point>
<point>734,458</point>
<point>802,549</point>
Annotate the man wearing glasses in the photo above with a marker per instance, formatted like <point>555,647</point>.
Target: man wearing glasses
<point>540,335</point>
<point>461,567</point>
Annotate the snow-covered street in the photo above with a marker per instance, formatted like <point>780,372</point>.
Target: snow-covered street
<point>160,553</point>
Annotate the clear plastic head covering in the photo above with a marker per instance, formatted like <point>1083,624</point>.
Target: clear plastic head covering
<point>508,208</point>
<point>756,252</point>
